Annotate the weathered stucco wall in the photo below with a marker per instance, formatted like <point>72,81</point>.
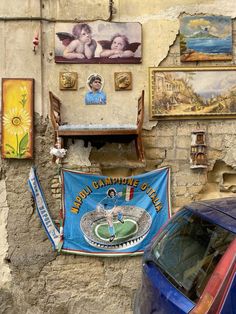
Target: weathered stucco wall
<point>33,278</point>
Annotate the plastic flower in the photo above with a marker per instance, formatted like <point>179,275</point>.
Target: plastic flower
<point>17,121</point>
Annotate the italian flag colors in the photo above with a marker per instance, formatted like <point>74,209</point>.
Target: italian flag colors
<point>128,193</point>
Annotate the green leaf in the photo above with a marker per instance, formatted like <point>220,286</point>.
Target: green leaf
<point>23,143</point>
<point>23,100</point>
<point>11,147</point>
<point>23,153</point>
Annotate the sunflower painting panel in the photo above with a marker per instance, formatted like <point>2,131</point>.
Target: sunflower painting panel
<point>17,118</point>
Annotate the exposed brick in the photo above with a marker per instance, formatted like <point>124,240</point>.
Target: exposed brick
<point>165,141</point>
<point>149,142</point>
<point>182,154</point>
<point>55,185</point>
<point>180,190</point>
<point>183,141</point>
<point>155,153</point>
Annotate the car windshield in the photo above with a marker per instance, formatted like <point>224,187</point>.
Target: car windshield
<point>188,250</point>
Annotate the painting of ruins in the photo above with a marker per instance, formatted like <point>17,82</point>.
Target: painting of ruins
<point>204,38</point>
<point>98,42</point>
<point>193,92</point>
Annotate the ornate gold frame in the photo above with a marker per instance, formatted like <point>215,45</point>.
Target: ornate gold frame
<point>192,93</point>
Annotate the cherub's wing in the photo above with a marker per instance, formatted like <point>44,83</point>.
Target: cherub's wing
<point>106,44</point>
<point>65,38</point>
<point>133,46</point>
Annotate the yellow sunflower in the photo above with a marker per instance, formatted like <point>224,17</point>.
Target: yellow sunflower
<point>17,121</point>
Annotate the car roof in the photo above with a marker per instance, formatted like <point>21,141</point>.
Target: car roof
<point>220,211</point>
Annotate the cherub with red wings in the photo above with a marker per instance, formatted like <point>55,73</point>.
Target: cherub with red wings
<point>118,47</point>
<point>79,44</point>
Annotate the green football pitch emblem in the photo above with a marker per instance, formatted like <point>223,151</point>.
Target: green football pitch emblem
<point>137,222</point>
<point>123,231</point>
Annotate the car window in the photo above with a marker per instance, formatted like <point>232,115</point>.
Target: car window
<point>188,250</point>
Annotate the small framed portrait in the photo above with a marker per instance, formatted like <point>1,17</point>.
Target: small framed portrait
<point>123,80</point>
<point>68,80</point>
<point>95,95</point>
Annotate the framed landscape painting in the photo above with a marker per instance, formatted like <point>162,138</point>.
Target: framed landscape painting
<point>17,118</point>
<point>186,93</point>
<point>205,38</point>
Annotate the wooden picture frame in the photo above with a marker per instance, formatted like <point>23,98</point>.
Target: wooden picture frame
<point>17,117</point>
<point>187,93</point>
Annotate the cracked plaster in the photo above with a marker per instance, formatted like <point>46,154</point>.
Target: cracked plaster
<point>230,152</point>
<point>172,9</point>
<point>5,276</point>
<point>78,154</point>
<point>160,31</point>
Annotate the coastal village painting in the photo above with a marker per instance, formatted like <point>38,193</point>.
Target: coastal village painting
<point>190,92</point>
<point>205,38</point>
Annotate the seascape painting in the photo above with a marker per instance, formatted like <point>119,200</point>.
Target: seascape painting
<point>98,42</point>
<point>193,92</point>
<point>205,38</point>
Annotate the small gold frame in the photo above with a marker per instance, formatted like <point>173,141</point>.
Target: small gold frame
<point>123,81</point>
<point>68,80</point>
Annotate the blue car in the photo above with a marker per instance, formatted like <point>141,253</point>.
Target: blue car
<point>190,266</point>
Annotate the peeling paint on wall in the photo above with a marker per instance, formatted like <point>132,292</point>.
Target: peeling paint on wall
<point>221,182</point>
<point>159,10</point>
<point>43,281</point>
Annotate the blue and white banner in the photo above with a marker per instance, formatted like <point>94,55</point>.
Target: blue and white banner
<point>52,231</point>
<point>110,216</point>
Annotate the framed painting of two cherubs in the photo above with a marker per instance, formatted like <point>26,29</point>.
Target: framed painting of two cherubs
<point>98,42</point>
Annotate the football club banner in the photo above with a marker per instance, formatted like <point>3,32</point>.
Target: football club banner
<point>111,216</point>
<point>41,206</point>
